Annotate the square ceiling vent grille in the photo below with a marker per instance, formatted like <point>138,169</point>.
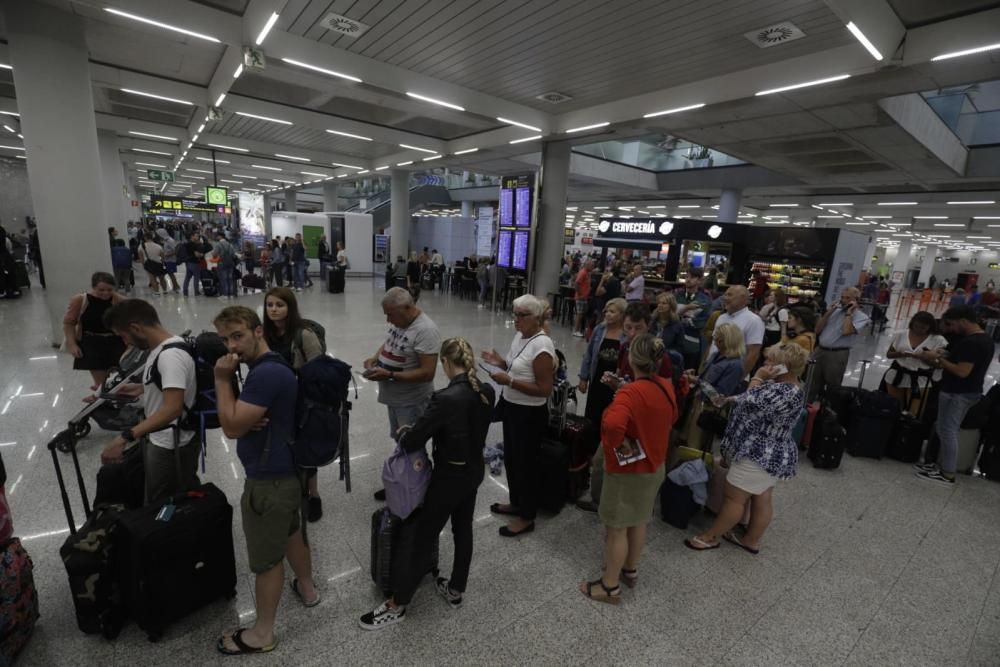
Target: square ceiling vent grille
<point>773,35</point>
<point>344,25</point>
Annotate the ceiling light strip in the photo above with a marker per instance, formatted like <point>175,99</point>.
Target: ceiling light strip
<point>433,100</point>
<point>805,84</point>
<point>159,24</point>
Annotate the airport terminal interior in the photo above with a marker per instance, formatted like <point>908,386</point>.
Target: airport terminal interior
<point>814,157</point>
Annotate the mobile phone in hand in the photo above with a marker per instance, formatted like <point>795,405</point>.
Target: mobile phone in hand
<point>780,369</point>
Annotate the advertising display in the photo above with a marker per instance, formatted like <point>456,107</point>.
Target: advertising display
<point>516,217</point>
<point>252,218</point>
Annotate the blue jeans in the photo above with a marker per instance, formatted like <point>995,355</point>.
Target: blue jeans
<point>227,284</point>
<point>300,274</point>
<point>951,412</point>
<point>401,415</point>
<point>192,271</point>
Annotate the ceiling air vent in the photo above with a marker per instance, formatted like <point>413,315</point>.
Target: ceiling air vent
<point>344,25</point>
<point>776,34</point>
<point>553,97</point>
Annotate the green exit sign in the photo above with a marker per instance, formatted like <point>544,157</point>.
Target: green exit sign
<point>159,175</point>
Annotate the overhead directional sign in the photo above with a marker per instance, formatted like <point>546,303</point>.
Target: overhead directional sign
<point>159,175</point>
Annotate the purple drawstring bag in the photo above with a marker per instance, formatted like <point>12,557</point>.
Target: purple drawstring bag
<point>406,476</point>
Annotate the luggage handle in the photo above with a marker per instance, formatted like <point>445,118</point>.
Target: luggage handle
<point>68,436</point>
<point>864,369</point>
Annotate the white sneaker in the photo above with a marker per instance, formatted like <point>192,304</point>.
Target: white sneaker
<point>577,334</point>
<point>453,599</point>
<point>382,617</point>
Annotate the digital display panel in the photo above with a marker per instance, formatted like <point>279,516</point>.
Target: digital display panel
<point>520,258</point>
<point>522,209</point>
<point>506,208</point>
<point>503,248</point>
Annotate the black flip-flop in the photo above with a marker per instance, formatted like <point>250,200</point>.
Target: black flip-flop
<point>690,544</point>
<point>505,531</point>
<point>242,647</point>
<point>732,539</point>
<point>495,508</point>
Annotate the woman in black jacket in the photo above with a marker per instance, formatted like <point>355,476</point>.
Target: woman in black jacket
<point>457,418</point>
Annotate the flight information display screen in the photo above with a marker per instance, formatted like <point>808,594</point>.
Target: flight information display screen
<point>503,248</point>
<point>520,257</point>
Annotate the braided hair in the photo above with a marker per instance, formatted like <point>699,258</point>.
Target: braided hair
<point>458,352</point>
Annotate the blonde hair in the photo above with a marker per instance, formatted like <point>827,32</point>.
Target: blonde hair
<point>729,340</point>
<point>671,301</point>
<point>793,357</point>
<point>618,304</point>
<point>458,352</point>
<point>646,353</point>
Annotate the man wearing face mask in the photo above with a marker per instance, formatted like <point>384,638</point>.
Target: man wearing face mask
<point>838,331</point>
<point>168,390</point>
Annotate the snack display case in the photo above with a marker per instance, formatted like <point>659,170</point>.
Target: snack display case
<point>800,280</point>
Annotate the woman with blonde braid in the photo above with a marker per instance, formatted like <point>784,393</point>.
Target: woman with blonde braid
<point>457,418</point>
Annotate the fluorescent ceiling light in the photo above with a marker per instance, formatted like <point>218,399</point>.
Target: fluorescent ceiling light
<point>876,217</point>
<point>266,29</point>
<point>264,166</point>
<point>836,203</point>
<point>782,205</point>
<point>403,164</point>
<point>949,224</point>
<point>239,70</point>
<point>428,159</point>
<point>310,173</point>
<point>983,202</point>
<point>514,122</point>
<point>227,180</point>
<point>218,100</point>
<point>467,150</point>
<point>10,113</point>
<point>521,141</point>
<point>656,206</point>
<point>151,164</point>
<point>855,224</point>
<point>165,26</point>
<point>229,148</point>
<point>435,101</point>
<point>828,216</point>
<point>988,238</point>
<point>860,36</point>
<point>681,206</point>
<point>278,180</point>
<point>773,222</point>
<point>252,178</point>
<point>349,135</point>
<point>588,127</point>
<point>967,52</point>
<point>805,84</point>
<point>5,66</point>
<point>930,217</point>
<point>346,166</point>
<point>200,171</point>
<point>208,159</point>
<point>322,70</point>
<point>897,203</point>
<point>200,178</point>
<point>896,224</point>
<point>384,166</point>
<point>156,97</point>
<point>292,157</point>
<point>343,176</point>
<point>677,110</point>
<point>986,217</point>
<point>417,148</point>
<point>153,136</point>
<point>363,171</point>
<point>268,118</point>
<point>145,150</point>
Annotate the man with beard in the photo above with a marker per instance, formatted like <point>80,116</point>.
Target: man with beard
<point>168,390</point>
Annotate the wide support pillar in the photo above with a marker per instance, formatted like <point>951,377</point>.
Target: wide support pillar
<point>113,178</point>
<point>291,205</point>
<point>549,244</point>
<point>399,215</point>
<point>48,53</point>
<point>331,191</point>
<point>927,266</point>
<point>729,205</point>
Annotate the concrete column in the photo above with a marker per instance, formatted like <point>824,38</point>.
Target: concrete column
<point>54,96</point>
<point>553,181</point>
<point>113,178</point>
<point>290,205</point>
<point>927,267</point>
<point>902,260</point>
<point>467,210</point>
<point>268,234</point>
<point>869,253</point>
<point>330,193</point>
<point>729,205</point>
<point>399,214</point>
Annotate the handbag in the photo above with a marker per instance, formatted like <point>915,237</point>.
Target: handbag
<point>713,422</point>
<point>152,266</point>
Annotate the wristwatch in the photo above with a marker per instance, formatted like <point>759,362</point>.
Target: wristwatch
<point>128,435</point>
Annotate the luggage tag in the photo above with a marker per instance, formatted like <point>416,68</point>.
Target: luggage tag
<point>166,512</point>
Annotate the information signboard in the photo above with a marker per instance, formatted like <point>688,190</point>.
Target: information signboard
<point>516,214</point>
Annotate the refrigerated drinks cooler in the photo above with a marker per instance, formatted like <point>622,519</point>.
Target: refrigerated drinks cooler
<point>801,280</point>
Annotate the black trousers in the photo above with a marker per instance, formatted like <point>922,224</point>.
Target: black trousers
<point>524,426</point>
<point>450,495</point>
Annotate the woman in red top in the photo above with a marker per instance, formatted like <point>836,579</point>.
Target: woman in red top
<point>635,432</point>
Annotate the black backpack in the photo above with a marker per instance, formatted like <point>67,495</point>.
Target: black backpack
<point>206,349</point>
<point>321,411</point>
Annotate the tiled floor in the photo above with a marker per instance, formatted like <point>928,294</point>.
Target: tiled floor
<point>862,565</point>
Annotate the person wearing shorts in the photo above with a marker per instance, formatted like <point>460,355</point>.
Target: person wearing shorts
<point>273,490</point>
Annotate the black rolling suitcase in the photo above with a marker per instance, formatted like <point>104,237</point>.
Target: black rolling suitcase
<point>176,558</point>
<point>392,546</point>
<point>88,552</point>
<point>554,473</point>
<point>827,447</point>
<point>335,280</point>
<point>911,432</point>
<point>989,458</point>
<point>873,418</point>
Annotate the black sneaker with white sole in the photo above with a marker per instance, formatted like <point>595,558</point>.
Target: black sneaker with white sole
<point>453,599</point>
<point>936,476</point>
<point>383,616</point>
<point>925,467</point>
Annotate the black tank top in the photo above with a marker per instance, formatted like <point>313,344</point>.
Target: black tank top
<point>92,320</point>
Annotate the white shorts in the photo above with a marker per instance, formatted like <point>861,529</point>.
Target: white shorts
<point>750,477</point>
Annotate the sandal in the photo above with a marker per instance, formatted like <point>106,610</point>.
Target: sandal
<point>697,544</point>
<point>298,594</point>
<point>496,509</point>
<point>732,539</point>
<point>611,595</point>
<point>242,648</point>
<point>630,577</point>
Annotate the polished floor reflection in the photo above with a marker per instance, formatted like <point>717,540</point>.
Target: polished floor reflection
<point>862,565</point>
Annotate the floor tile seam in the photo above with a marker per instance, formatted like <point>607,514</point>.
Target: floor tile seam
<point>994,586</point>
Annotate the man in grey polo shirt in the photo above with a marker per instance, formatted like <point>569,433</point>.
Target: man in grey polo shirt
<point>838,331</point>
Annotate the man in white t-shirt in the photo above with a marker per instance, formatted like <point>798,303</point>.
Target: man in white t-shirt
<point>168,388</point>
<point>735,302</point>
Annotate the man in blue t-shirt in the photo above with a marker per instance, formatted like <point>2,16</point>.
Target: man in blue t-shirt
<point>263,422</point>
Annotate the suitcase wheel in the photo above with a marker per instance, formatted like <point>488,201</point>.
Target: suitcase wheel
<point>82,430</point>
